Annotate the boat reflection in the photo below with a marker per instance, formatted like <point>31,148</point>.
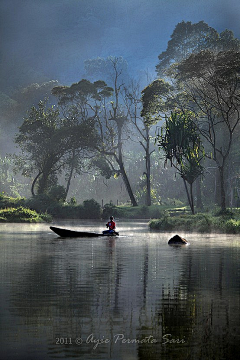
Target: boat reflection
<point>132,297</point>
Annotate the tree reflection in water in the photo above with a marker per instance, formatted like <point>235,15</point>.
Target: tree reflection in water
<point>163,302</point>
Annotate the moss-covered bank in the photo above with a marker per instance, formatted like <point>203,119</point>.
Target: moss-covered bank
<point>89,209</point>
<point>140,212</point>
<point>201,222</point>
<point>165,218</point>
<point>21,214</point>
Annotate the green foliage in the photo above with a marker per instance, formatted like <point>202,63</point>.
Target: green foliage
<point>73,201</point>
<point>57,193</point>
<point>91,209</point>
<point>39,203</point>
<point>22,214</point>
<point>182,146</point>
<point>132,212</point>
<point>200,223</point>
<point>50,144</point>
<point>211,80</point>
<point>112,210</point>
<point>8,181</point>
<point>188,38</point>
<point>232,226</point>
<point>82,91</point>
<point>154,99</point>
<point>101,164</point>
<point>7,201</point>
<point>92,99</point>
<point>181,143</point>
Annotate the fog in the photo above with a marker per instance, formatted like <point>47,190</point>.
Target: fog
<point>50,39</point>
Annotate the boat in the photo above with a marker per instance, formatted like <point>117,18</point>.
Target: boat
<point>73,233</point>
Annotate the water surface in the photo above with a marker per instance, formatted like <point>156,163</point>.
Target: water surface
<point>133,297</point>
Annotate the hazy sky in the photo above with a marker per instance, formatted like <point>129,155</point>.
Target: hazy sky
<point>50,39</point>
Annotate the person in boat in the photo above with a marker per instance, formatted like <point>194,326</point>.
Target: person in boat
<point>111,225</point>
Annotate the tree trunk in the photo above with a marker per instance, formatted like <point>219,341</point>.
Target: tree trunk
<point>189,196</point>
<point>127,184</point>
<point>119,159</point>
<point>217,193</point>
<point>69,182</point>
<point>148,170</point>
<point>34,183</point>
<point>70,176</point>
<point>222,188</point>
<point>43,183</point>
<point>199,204</point>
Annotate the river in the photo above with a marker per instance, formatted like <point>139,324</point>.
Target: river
<point>128,298</point>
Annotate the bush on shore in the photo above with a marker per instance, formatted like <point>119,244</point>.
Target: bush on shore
<point>43,208</point>
<point>137,212</point>
<point>90,209</point>
<point>43,204</point>
<point>200,223</point>
<point>22,214</point>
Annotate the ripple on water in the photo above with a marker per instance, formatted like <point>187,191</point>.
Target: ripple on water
<point>183,299</point>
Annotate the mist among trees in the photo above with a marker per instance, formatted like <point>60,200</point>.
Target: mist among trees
<point>117,137</point>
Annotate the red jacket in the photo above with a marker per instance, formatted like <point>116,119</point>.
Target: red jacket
<point>111,225</point>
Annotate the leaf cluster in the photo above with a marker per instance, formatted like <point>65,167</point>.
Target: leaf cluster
<point>188,38</point>
<point>154,100</point>
<point>182,145</point>
<point>82,91</point>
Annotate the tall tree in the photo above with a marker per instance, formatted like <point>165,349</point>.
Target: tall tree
<point>114,69</point>
<point>132,100</point>
<point>47,142</point>
<point>188,38</point>
<point>103,104</point>
<point>211,81</point>
<point>182,146</point>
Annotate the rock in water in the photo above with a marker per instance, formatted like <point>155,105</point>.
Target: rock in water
<point>177,240</point>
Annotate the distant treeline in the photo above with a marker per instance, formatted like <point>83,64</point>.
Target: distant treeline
<point>114,137</point>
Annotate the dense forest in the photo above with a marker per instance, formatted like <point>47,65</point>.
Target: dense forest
<point>120,139</point>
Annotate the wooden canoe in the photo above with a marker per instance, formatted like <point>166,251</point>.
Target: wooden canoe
<point>72,233</point>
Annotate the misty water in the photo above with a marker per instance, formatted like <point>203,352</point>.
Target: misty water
<point>131,297</point>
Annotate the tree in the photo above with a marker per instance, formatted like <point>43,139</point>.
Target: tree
<point>48,143</point>
<point>211,83</point>
<point>188,38</point>
<point>187,41</point>
<point>133,103</point>
<point>110,120</point>
<point>182,146</point>
<point>115,70</point>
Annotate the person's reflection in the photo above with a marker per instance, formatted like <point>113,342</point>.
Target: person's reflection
<point>111,244</point>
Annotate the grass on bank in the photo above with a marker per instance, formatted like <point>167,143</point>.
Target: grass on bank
<point>164,217</point>
<point>201,222</point>
<point>141,212</point>
<point>89,209</point>
<point>21,214</point>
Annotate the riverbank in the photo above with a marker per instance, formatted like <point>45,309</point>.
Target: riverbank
<point>89,209</point>
<point>22,215</point>
<point>167,217</point>
<point>201,222</point>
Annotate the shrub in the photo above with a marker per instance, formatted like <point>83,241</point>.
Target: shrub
<point>92,209</point>
<point>22,214</point>
<point>7,201</point>
<point>39,203</point>
<point>232,226</point>
<point>57,193</point>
